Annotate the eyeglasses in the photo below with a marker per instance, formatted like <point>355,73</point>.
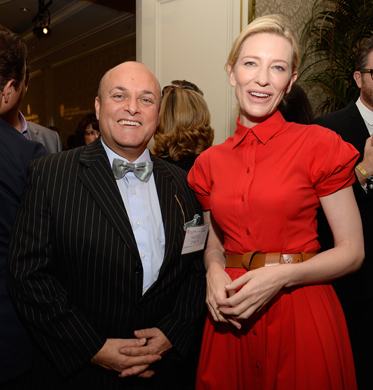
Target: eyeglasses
<point>367,71</point>
<point>168,88</point>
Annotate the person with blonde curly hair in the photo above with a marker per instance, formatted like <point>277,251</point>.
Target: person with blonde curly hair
<point>184,129</point>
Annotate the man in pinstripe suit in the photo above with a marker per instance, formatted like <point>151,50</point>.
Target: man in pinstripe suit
<point>95,266</point>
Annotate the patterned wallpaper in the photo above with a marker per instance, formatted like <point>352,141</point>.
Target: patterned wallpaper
<point>297,12</point>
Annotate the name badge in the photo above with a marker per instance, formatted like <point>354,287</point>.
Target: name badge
<point>195,238</point>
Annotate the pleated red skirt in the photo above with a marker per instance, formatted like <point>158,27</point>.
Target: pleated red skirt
<point>298,342</point>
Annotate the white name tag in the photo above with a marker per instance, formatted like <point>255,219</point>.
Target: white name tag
<point>195,238</point>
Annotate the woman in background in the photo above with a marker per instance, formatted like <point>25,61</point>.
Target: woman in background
<point>275,322</point>
<point>184,129</point>
<point>87,131</point>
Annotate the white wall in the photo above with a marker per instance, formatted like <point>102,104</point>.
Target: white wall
<point>191,39</point>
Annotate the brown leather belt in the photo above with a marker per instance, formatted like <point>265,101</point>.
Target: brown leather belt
<point>254,260</point>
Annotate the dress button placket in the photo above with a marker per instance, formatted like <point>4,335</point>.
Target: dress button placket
<point>249,166</point>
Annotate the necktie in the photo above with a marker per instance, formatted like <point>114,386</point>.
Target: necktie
<point>141,170</point>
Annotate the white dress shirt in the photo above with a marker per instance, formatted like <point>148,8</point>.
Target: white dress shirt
<point>144,212</point>
<point>366,114</point>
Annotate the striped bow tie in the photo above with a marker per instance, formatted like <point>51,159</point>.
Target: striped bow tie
<point>141,170</point>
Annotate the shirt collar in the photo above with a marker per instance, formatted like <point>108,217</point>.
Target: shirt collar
<point>263,130</point>
<point>365,112</point>
<point>24,123</point>
<point>145,157</point>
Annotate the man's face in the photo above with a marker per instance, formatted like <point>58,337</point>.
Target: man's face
<point>128,109</point>
<point>365,83</point>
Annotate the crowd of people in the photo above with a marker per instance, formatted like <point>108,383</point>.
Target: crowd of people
<point>233,266</point>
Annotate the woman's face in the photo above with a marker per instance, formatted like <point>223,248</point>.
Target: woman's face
<point>261,76</point>
<point>90,134</point>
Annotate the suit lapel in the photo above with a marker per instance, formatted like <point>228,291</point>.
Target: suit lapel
<point>99,180</point>
<point>34,136</point>
<point>170,209</point>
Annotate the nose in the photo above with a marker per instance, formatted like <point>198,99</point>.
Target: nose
<point>96,134</point>
<point>262,77</point>
<point>131,106</point>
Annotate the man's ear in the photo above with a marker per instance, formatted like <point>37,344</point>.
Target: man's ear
<point>357,78</point>
<point>8,90</point>
<point>97,107</point>
<point>232,75</point>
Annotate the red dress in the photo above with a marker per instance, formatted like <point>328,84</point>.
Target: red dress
<point>263,186</point>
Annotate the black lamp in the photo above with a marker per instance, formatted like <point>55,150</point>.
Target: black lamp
<point>42,22</point>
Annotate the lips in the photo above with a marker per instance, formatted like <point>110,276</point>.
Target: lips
<point>124,122</point>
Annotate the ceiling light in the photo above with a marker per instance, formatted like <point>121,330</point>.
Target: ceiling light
<point>41,31</point>
<point>42,20</point>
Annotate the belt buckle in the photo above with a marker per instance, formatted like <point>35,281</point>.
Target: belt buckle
<point>286,259</point>
<point>292,258</point>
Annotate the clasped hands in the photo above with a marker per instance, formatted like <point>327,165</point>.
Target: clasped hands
<point>256,289</point>
<point>132,357</point>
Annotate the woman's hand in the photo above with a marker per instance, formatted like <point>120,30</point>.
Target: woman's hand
<point>217,279</point>
<point>216,276</point>
<point>258,288</point>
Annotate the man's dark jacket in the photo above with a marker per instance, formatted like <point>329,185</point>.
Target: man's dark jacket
<point>76,273</point>
<point>355,291</point>
<point>15,153</point>
<point>349,124</point>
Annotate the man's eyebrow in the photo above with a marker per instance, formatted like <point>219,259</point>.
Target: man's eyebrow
<point>143,92</point>
<point>146,92</point>
<point>123,89</point>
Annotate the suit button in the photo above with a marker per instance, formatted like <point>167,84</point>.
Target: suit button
<point>138,269</point>
<point>139,308</point>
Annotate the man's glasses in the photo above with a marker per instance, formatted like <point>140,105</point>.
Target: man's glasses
<point>168,88</point>
<point>367,71</point>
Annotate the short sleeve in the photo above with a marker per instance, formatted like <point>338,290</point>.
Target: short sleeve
<point>199,179</point>
<point>331,161</point>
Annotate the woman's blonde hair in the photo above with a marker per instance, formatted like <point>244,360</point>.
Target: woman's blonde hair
<point>184,125</point>
<point>271,24</point>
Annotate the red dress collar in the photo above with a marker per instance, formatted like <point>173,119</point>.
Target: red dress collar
<point>263,130</point>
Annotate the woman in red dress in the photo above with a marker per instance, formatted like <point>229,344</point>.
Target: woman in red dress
<point>280,325</point>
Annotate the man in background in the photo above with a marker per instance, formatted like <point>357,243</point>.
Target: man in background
<point>15,154</point>
<point>355,125</point>
<point>32,131</point>
<point>96,266</point>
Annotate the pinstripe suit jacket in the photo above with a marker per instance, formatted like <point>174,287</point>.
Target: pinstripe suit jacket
<point>76,275</point>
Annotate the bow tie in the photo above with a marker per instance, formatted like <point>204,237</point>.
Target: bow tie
<point>141,170</point>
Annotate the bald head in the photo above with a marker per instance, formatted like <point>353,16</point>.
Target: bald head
<point>127,108</point>
<point>129,66</point>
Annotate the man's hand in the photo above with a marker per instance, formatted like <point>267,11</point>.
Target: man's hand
<point>157,345</point>
<point>367,162</point>
<point>111,357</point>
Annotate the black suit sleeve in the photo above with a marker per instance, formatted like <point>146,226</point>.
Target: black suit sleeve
<point>179,325</point>
<point>61,330</point>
